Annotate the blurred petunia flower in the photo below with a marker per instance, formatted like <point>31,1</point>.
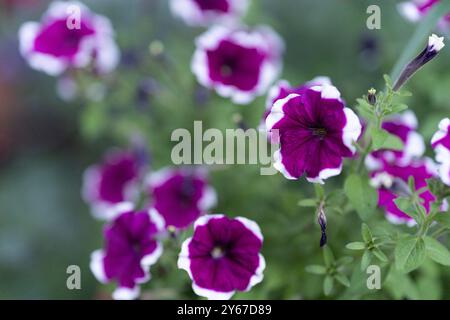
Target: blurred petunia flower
<point>282,89</point>
<point>392,183</point>
<point>239,63</point>
<point>316,131</point>
<point>205,12</point>
<point>415,10</point>
<point>441,145</point>
<point>181,195</point>
<point>112,185</point>
<point>69,36</point>
<point>131,247</point>
<point>403,126</point>
<point>223,256</point>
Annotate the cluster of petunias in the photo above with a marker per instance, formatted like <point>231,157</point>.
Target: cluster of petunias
<point>415,10</point>
<point>177,197</point>
<point>314,129</point>
<point>390,170</point>
<point>441,145</point>
<point>69,36</point>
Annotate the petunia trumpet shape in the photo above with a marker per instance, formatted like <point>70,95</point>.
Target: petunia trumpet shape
<point>223,256</point>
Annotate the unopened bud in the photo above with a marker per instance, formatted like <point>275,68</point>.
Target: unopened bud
<point>322,220</point>
<point>372,96</point>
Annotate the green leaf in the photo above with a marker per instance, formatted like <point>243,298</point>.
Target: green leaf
<point>341,278</point>
<point>405,205</point>
<point>316,269</point>
<point>307,203</point>
<point>387,80</point>
<point>437,251</point>
<point>365,233</point>
<point>380,255</point>
<point>365,109</point>
<point>356,246</point>
<point>328,285</point>
<point>443,219</point>
<point>344,261</point>
<point>366,259</point>
<point>410,253</point>
<point>361,195</point>
<point>397,108</point>
<point>328,257</point>
<point>382,139</point>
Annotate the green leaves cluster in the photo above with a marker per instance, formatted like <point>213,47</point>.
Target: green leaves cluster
<point>332,269</point>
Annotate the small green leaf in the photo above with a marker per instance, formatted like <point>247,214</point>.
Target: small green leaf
<point>316,269</point>
<point>387,80</point>
<point>410,253</point>
<point>437,251</point>
<point>405,205</point>
<point>380,255</point>
<point>344,261</point>
<point>366,259</point>
<point>341,278</point>
<point>328,257</point>
<point>328,285</point>
<point>365,233</point>
<point>356,246</point>
<point>307,203</point>
<point>361,195</point>
<point>397,108</point>
<point>382,139</point>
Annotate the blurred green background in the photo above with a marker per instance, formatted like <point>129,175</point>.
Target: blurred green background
<point>46,143</point>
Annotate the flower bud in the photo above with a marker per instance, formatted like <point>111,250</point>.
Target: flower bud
<point>322,220</point>
<point>371,96</point>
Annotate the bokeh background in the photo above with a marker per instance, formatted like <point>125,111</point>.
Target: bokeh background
<point>47,142</point>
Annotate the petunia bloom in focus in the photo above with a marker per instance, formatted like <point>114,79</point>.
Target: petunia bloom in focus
<point>223,256</point>
<point>69,36</point>
<point>316,131</point>
<point>131,247</point>
<point>205,12</point>
<point>239,63</point>
<point>180,195</point>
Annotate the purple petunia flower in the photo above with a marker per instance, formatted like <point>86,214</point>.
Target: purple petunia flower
<point>392,182</point>
<point>54,45</point>
<point>181,195</point>
<point>415,10</point>
<point>111,186</point>
<point>204,12</point>
<point>238,63</point>
<point>316,131</point>
<point>131,247</point>
<point>223,256</point>
<point>403,126</point>
<point>282,89</point>
<point>441,145</point>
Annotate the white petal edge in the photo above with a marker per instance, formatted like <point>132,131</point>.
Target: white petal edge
<point>351,130</point>
<point>325,174</point>
<point>122,293</point>
<point>97,267</point>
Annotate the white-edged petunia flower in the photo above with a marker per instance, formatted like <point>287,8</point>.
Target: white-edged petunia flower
<point>180,195</point>
<point>238,62</point>
<point>223,256</point>
<point>59,42</point>
<point>205,12</point>
<point>131,247</point>
<point>441,145</point>
<point>316,131</point>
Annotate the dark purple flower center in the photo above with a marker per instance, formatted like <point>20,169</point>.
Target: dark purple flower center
<point>213,5</point>
<point>319,132</point>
